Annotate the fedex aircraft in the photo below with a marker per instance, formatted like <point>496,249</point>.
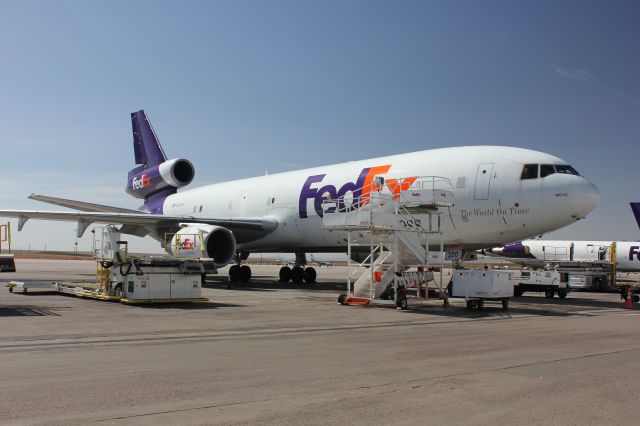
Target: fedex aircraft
<point>625,253</point>
<point>501,194</point>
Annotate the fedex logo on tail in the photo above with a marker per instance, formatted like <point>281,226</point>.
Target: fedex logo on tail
<point>144,181</point>
<point>361,188</point>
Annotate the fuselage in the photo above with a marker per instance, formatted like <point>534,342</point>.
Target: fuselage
<point>495,201</point>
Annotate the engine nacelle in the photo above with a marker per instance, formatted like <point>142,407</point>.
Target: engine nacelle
<point>204,241</point>
<point>170,174</point>
<point>512,250</point>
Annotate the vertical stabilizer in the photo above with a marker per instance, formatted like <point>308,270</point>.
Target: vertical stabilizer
<point>635,208</point>
<point>146,146</point>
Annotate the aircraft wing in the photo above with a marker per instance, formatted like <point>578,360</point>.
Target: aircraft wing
<point>79,205</point>
<point>142,224</point>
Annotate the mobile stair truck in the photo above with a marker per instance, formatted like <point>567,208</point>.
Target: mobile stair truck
<point>392,226</point>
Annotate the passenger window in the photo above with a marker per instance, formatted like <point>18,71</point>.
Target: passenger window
<point>566,169</point>
<point>546,170</point>
<point>529,171</point>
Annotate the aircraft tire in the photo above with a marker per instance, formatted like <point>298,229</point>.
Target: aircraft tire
<point>245,273</point>
<point>342,298</point>
<point>285,274</point>
<point>234,273</point>
<point>505,303</point>
<point>562,294</point>
<point>297,274</point>
<point>310,275</point>
<point>549,294</point>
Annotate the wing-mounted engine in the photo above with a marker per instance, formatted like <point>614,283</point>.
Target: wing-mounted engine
<point>204,241</point>
<point>145,181</point>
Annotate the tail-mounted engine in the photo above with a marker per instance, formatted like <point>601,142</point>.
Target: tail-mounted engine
<point>175,173</point>
<point>204,241</point>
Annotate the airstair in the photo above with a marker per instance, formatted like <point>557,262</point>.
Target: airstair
<point>396,224</point>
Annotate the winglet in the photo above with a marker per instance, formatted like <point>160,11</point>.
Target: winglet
<point>635,208</point>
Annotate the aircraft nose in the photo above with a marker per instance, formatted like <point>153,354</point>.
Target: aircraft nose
<point>584,198</point>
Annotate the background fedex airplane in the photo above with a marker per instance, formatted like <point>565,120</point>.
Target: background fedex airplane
<point>501,194</point>
<point>532,252</point>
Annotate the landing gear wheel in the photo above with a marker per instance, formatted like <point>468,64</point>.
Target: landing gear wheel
<point>285,274</point>
<point>470,304</point>
<point>342,298</point>
<point>402,304</point>
<point>480,304</point>
<point>549,294</point>
<point>309,275</point>
<point>518,291</point>
<point>505,303</point>
<point>234,273</point>
<point>562,294</point>
<point>245,273</point>
<point>297,274</point>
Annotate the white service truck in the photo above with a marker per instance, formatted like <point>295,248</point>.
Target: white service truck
<point>477,286</point>
<point>549,282</point>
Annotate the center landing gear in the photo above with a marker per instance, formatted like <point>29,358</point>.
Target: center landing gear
<point>298,273</point>
<point>238,272</point>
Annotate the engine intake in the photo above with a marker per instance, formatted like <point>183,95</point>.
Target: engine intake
<point>178,172</point>
<point>204,241</point>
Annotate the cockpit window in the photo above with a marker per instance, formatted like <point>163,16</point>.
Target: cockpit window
<point>529,171</point>
<point>566,169</point>
<point>546,170</point>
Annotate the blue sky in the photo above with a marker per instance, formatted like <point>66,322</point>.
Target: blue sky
<point>240,87</point>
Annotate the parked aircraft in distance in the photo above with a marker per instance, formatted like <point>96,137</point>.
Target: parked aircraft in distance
<point>501,194</point>
<point>626,254</point>
<point>319,262</point>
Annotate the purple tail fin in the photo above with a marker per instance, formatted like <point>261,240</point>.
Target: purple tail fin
<point>145,142</point>
<point>635,208</point>
<point>155,177</point>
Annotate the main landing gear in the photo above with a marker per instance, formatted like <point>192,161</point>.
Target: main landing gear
<point>238,272</point>
<point>298,273</point>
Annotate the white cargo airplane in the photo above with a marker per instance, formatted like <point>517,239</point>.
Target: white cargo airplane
<point>625,253</point>
<point>501,194</point>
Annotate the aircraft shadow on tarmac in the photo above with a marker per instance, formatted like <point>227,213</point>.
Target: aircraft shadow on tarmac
<point>573,300</point>
<point>269,284</point>
<point>25,311</point>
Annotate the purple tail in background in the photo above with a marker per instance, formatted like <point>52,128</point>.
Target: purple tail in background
<point>635,208</point>
<point>155,178</point>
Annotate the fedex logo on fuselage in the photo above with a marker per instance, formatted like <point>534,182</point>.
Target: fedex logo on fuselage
<point>360,189</point>
<point>144,181</point>
<point>634,251</point>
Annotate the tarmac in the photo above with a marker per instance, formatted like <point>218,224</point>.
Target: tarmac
<point>267,353</point>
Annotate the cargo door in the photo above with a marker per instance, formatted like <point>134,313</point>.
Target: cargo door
<point>483,181</point>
